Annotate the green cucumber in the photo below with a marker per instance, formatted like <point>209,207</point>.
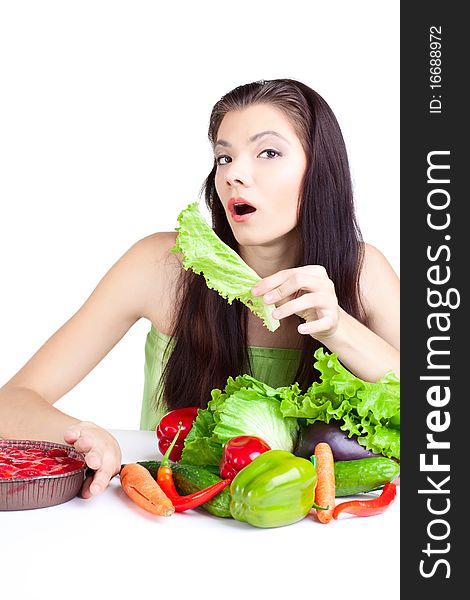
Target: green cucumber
<point>192,478</point>
<point>364,475</point>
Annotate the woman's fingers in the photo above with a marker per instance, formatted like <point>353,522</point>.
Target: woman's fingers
<point>84,444</point>
<point>304,291</point>
<point>318,309</point>
<point>303,303</point>
<point>71,435</point>
<point>96,483</point>
<point>101,480</point>
<point>269,283</point>
<point>280,286</point>
<point>102,455</point>
<point>93,459</point>
<point>105,468</point>
<point>79,439</point>
<point>85,491</point>
<point>108,469</point>
<point>313,328</point>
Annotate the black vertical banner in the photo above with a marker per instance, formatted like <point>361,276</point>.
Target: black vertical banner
<point>435,395</point>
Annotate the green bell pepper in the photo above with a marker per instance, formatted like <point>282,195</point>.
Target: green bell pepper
<point>275,489</point>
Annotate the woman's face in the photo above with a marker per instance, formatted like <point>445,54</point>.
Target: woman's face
<point>260,168</point>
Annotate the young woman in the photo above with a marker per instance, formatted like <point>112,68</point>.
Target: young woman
<point>280,194</point>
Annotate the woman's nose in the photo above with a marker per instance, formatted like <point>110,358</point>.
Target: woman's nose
<point>237,173</point>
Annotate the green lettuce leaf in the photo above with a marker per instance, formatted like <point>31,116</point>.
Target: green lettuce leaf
<point>199,446</point>
<point>368,410</point>
<point>223,269</point>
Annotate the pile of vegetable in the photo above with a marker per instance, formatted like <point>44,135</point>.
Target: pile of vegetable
<point>263,455</point>
<point>270,457</point>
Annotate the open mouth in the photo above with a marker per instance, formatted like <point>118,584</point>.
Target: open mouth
<point>243,209</point>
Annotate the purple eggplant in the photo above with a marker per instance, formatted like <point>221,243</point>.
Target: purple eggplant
<point>342,447</point>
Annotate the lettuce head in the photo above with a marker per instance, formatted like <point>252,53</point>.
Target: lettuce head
<point>245,407</point>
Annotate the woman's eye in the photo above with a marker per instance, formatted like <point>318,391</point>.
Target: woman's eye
<point>222,160</point>
<point>269,153</point>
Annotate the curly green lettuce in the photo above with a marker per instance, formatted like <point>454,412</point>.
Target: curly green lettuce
<point>371,411</point>
<point>224,271</point>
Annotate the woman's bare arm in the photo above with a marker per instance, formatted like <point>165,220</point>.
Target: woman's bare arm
<point>372,351</point>
<point>121,298</point>
<point>368,351</point>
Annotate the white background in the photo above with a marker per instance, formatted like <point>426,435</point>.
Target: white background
<point>104,109</point>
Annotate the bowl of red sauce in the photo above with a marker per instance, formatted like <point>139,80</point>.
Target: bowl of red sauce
<point>37,474</point>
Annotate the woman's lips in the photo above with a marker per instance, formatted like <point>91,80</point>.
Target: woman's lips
<point>240,218</point>
<point>236,216</point>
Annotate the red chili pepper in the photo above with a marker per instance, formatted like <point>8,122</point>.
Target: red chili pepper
<point>366,508</point>
<point>238,452</point>
<point>181,503</point>
<point>168,427</point>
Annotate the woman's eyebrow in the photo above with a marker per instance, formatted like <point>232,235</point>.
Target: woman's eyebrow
<point>253,138</point>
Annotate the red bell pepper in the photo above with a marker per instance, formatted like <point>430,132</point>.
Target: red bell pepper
<point>168,428</point>
<point>238,452</point>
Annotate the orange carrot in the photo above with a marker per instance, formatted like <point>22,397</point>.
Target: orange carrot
<point>325,489</point>
<point>142,488</point>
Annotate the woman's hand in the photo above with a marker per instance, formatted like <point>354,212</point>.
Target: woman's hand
<point>102,454</point>
<point>307,292</point>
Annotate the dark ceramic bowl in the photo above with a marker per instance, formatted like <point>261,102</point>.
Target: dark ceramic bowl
<point>43,490</point>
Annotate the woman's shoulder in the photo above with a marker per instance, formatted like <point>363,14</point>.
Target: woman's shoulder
<point>152,255</point>
<point>374,263</point>
<point>160,269</point>
<point>155,245</point>
<point>372,256</point>
<point>380,291</point>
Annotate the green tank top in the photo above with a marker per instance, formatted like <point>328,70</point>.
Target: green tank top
<point>274,366</point>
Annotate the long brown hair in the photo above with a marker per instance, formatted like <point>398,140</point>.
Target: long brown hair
<point>210,335</point>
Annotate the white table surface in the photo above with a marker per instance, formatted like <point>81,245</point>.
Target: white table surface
<point>108,546</point>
